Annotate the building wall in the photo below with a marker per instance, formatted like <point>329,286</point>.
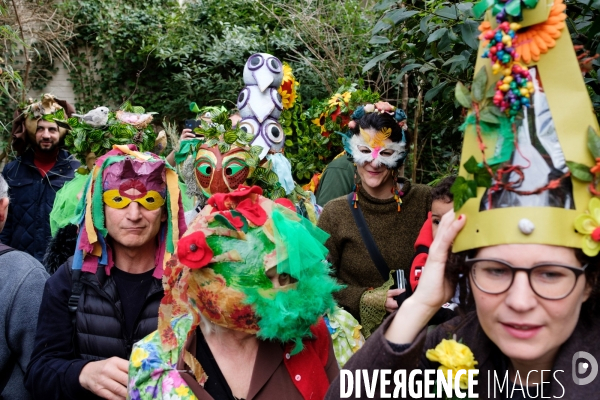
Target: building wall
<point>59,86</point>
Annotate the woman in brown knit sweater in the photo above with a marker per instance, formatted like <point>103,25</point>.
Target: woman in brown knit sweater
<point>393,208</point>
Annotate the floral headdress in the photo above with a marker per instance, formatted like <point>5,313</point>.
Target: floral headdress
<point>117,167</point>
<point>128,125</point>
<point>334,114</point>
<point>525,175</point>
<point>218,133</point>
<point>354,143</point>
<point>224,262</point>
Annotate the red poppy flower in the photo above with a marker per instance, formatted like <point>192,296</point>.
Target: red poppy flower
<point>227,201</point>
<point>193,251</point>
<point>236,221</point>
<point>252,211</point>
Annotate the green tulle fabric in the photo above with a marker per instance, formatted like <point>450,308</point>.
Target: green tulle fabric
<point>287,315</point>
<point>64,211</point>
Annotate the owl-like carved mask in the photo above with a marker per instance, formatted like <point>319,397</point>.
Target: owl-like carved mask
<point>221,173</point>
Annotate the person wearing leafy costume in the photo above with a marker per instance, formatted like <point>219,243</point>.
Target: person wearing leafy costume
<point>241,316</point>
<point>87,141</point>
<point>35,176</point>
<point>107,295</point>
<point>220,158</point>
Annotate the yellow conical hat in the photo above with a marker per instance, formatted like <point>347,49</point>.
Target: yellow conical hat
<point>530,142</point>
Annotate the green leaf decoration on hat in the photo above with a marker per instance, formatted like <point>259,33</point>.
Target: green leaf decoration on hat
<point>479,87</point>
<point>194,107</point>
<point>230,137</point>
<point>83,138</point>
<point>481,174</point>
<point>580,171</point>
<point>463,95</point>
<point>586,173</point>
<point>463,190</point>
<point>514,8</point>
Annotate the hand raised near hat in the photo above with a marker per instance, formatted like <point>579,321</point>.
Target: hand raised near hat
<point>106,378</point>
<point>433,290</point>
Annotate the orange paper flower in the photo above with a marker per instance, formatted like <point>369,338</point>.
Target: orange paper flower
<point>533,41</point>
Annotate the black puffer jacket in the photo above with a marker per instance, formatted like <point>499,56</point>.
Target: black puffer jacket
<point>100,324</point>
<point>32,197</point>
<point>60,352</point>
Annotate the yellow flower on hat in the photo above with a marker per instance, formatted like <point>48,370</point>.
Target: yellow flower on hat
<point>339,99</point>
<point>288,88</point>
<point>453,356</point>
<point>320,122</point>
<point>588,225</point>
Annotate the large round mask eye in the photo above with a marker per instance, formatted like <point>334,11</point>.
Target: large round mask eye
<point>255,62</point>
<point>274,65</point>
<point>243,98</point>
<point>249,125</point>
<point>273,131</point>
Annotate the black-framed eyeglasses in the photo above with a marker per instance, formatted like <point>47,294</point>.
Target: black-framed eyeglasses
<point>550,281</point>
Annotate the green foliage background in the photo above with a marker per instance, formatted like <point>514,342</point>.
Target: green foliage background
<point>162,55</point>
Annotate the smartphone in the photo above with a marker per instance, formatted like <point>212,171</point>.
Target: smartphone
<point>192,123</point>
<point>400,281</point>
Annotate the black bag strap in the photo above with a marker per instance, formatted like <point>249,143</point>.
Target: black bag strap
<point>6,373</point>
<point>5,249</point>
<point>368,239</point>
<point>76,290</point>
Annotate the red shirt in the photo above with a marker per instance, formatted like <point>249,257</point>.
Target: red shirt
<point>45,161</point>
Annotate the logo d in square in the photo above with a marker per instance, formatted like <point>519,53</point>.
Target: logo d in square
<point>581,367</point>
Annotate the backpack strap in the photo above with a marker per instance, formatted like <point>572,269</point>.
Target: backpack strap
<point>76,290</point>
<point>5,249</point>
<point>368,239</point>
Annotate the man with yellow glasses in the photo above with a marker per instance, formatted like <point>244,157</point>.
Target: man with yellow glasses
<point>106,297</point>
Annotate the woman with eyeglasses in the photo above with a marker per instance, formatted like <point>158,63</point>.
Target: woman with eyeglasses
<point>531,312</point>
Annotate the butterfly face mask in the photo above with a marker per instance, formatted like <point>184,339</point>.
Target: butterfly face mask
<point>367,148</point>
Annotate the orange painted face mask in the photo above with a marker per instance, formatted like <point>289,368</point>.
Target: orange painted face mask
<point>152,200</point>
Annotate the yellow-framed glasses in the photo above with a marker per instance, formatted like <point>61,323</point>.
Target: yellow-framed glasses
<point>151,201</point>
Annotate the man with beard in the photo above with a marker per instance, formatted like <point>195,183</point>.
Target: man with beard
<point>35,177</point>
